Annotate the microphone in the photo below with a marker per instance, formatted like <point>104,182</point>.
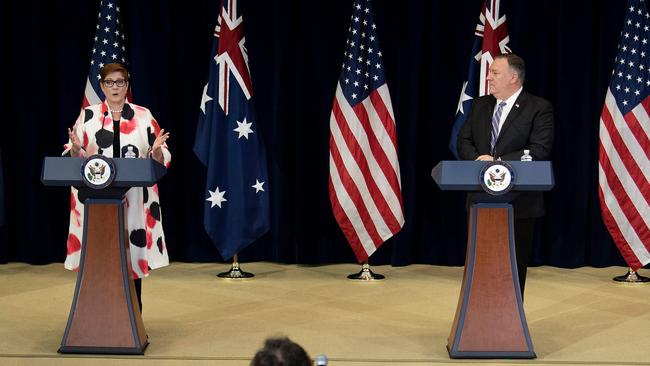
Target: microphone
<point>104,119</point>
<point>321,360</point>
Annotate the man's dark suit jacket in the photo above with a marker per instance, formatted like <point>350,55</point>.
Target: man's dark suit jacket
<point>529,126</point>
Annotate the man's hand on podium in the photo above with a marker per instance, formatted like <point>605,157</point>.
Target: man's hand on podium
<point>485,158</point>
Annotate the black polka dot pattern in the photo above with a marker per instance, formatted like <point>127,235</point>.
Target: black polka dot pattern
<point>127,112</point>
<point>144,231</point>
<point>159,244</point>
<point>88,115</point>
<point>104,138</point>
<point>151,135</point>
<point>155,210</point>
<point>138,238</point>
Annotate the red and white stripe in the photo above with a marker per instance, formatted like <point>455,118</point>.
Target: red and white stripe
<point>90,96</point>
<point>364,184</point>
<point>624,179</point>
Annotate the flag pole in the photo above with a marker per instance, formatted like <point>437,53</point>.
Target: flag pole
<point>366,274</point>
<point>631,277</point>
<point>235,272</point>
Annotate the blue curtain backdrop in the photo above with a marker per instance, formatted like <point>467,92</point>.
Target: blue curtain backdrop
<point>295,52</point>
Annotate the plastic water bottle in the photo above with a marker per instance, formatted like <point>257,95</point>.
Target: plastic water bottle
<point>321,360</point>
<point>526,156</point>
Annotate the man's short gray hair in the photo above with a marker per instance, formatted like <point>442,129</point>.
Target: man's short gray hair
<point>516,63</point>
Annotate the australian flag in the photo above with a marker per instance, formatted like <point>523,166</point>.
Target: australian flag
<point>229,144</point>
<point>490,40</point>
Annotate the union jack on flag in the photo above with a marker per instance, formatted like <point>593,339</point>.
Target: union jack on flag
<point>364,180</point>
<point>491,39</point>
<point>108,48</point>
<point>228,143</point>
<point>624,149</point>
<point>232,57</point>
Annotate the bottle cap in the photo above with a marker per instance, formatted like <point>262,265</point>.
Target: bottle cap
<point>321,360</point>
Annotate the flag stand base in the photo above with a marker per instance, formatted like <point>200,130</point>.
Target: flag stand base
<point>632,277</point>
<point>235,272</point>
<point>366,274</point>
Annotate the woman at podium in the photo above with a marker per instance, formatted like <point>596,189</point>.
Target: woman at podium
<point>117,128</point>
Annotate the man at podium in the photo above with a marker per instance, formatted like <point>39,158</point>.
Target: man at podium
<point>501,126</point>
<point>117,128</point>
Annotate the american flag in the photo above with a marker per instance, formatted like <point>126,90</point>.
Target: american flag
<point>108,48</point>
<point>491,39</point>
<point>228,143</point>
<point>364,179</point>
<point>624,156</point>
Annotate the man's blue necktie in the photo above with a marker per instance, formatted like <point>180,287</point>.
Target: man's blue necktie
<point>495,126</point>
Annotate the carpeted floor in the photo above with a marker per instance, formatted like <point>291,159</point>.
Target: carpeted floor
<point>576,317</point>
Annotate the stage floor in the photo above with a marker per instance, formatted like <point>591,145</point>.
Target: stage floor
<point>575,316</point>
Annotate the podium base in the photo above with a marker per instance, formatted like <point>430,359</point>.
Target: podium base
<point>104,350</point>
<point>104,315</point>
<point>490,321</point>
<point>491,354</point>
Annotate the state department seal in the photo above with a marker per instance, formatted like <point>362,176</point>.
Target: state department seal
<point>497,178</point>
<point>98,171</point>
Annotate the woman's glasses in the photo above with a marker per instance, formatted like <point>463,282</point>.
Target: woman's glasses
<point>109,83</point>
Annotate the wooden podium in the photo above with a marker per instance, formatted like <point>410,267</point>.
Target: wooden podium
<point>490,320</point>
<point>104,316</point>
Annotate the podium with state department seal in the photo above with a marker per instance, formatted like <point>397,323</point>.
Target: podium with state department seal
<point>104,317</point>
<point>490,321</point>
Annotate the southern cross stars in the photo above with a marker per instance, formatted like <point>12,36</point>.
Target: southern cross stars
<point>243,128</point>
<point>463,98</point>
<point>205,98</point>
<point>216,197</point>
